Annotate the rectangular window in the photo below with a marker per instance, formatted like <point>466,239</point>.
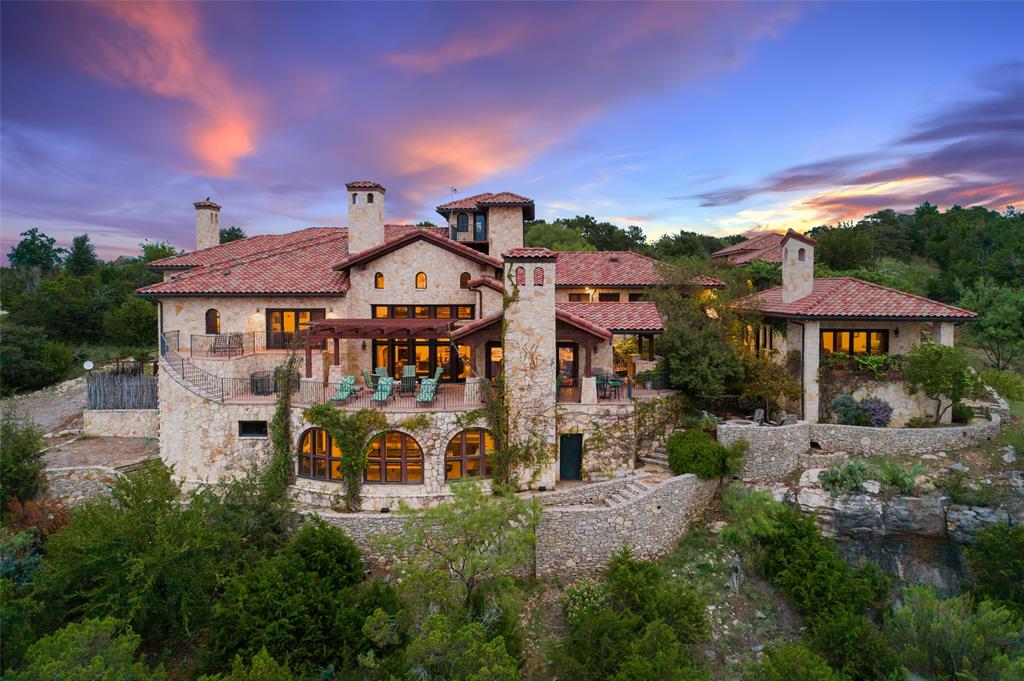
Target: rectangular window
<point>634,297</point>
<point>465,311</point>
<point>608,297</point>
<point>422,312</point>
<point>285,327</point>
<point>579,298</point>
<point>252,429</point>
<point>855,342</point>
<point>380,311</point>
<point>442,312</point>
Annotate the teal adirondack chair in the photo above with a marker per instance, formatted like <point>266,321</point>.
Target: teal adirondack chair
<point>437,374</point>
<point>428,391</point>
<point>346,388</point>
<point>370,380</point>
<point>408,384</point>
<point>384,389</point>
<point>380,372</point>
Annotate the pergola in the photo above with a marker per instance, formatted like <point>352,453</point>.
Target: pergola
<point>368,329</point>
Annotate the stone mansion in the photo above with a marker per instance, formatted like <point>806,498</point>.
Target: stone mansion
<point>411,321</point>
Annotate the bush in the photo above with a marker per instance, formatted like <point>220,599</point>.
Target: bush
<point>919,422</point>
<point>951,639</point>
<point>962,413</point>
<point>263,668</point>
<point>849,411</point>
<point>854,647</point>
<point>895,477</point>
<point>132,323</point>
<point>840,480</point>
<point>1009,384</point>
<point>21,460</point>
<point>29,360</point>
<point>99,649</point>
<point>961,491</point>
<point>877,410</point>
<point>996,559</point>
<point>791,662</point>
<point>694,451</point>
<point>466,653</point>
<point>584,596</point>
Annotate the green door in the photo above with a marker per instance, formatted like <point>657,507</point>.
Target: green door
<point>570,456</point>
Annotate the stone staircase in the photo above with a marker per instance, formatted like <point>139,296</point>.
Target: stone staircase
<point>192,378</point>
<point>658,456</point>
<point>632,490</point>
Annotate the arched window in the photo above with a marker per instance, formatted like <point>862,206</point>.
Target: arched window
<point>801,254</point>
<point>421,280</point>
<point>319,456</point>
<point>468,455</point>
<point>378,280</point>
<point>394,457</point>
<point>369,198</point>
<point>355,198</point>
<point>520,276</point>
<point>538,276</point>
<point>463,222</point>
<point>464,280</point>
<point>212,321</point>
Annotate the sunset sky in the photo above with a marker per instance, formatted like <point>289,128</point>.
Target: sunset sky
<point>716,118</point>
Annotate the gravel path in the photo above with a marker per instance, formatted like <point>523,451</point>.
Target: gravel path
<point>56,408</point>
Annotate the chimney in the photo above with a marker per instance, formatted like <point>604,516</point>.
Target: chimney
<point>797,266</point>
<point>207,223</point>
<point>365,215</point>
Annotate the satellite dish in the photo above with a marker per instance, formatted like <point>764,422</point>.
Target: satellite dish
<point>88,365</point>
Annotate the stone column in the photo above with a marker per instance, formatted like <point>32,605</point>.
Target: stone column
<point>588,390</point>
<point>811,342</point>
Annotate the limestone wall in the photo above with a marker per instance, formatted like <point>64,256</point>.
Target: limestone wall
<point>75,484</point>
<point>883,441</point>
<point>571,541</point>
<point>121,422</point>
<point>504,228</point>
<point>904,406</point>
<point>774,451</point>
<point>607,431</point>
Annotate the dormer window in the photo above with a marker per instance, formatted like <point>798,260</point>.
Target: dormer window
<point>421,280</point>
<point>463,222</point>
<point>378,280</point>
<point>369,198</point>
<point>801,255</point>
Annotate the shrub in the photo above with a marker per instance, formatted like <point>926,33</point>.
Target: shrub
<point>132,323</point>
<point>91,649</point>
<point>586,595</point>
<point>657,654</point>
<point>30,361</point>
<point>43,516</point>
<point>694,451</point>
<point>961,491</point>
<point>21,460</point>
<point>919,422</point>
<point>877,410</point>
<point>840,479</point>
<point>1009,384</point>
<point>19,616</point>
<point>895,477</point>
<point>466,653</point>
<point>263,668</point>
<point>791,662</point>
<point>939,372</point>
<point>951,639</point>
<point>854,647</point>
<point>996,559</point>
<point>19,556</point>
<point>962,413</point>
<point>849,411</point>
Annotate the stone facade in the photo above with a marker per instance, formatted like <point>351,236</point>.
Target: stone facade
<point>608,437</point>
<point>76,484</point>
<point>774,451</point>
<point>904,405</point>
<point>121,422</point>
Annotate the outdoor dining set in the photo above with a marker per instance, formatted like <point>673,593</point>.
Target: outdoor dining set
<point>383,387</point>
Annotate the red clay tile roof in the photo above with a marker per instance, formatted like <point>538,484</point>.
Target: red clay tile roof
<point>467,203</point>
<point>488,199</point>
<point>476,325</point>
<point>207,203</point>
<point>408,237</point>
<point>642,316</point>
<point>793,234</point>
<point>561,315</point>
<point>849,298</point>
<point>614,268</point>
<point>297,268</point>
<point>364,184</point>
<point>490,282</point>
<point>530,252</point>
<point>505,199</point>
<point>767,247</point>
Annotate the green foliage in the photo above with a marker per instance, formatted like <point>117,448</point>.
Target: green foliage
<point>848,411</point>
<point>840,479</point>
<point>791,662</point>
<point>278,474</point>
<point>584,596</point>
<point>442,652</point>
<point>999,330</point>
<point>232,233</point>
<point>996,559</point>
<point>35,250</point>
<point>351,432</point>
<point>305,605</point>
<point>21,460</point>
<point>685,244</point>
<point>556,236</point>
<point>93,650</point>
<point>843,248</point>
<point>1009,384</point>
<point>763,274</point>
<point>81,258</point>
<point>961,413</point>
<point>765,380</point>
<point>919,422</point>
<point>29,360</point>
<point>477,538</point>
<point>938,371</point>
<point>133,322</point>
<point>854,647</point>
<point>694,451</point>
<point>961,490</point>
<point>953,639</point>
<point>263,668</point>
<point>19,614</point>
<point>896,478</point>
<point>157,250</point>
<point>640,625</point>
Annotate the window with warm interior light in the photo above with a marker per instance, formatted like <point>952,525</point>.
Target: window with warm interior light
<point>421,280</point>
<point>395,458</point>
<point>468,455</point>
<point>378,280</point>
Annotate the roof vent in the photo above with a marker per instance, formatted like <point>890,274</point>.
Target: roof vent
<point>226,272</point>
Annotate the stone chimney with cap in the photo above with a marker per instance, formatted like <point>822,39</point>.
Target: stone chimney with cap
<point>365,215</point>
<point>207,223</point>
<point>797,266</point>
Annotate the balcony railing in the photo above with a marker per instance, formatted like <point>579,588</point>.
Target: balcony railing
<point>240,343</point>
<point>864,367</point>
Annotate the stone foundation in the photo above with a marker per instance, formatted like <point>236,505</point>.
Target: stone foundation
<point>74,485</point>
<point>607,431</point>
<point>774,451</point>
<point>121,422</point>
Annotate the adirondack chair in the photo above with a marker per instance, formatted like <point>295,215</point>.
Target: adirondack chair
<point>380,372</point>
<point>428,391</point>
<point>408,383</point>
<point>385,388</point>
<point>370,380</point>
<point>437,374</point>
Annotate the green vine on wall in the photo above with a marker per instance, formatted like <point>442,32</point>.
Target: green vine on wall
<point>351,433</point>
<point>278,474</point>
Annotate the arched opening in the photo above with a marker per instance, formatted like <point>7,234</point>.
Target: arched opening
<point>378,280</point>
<point>520,276</point>
<point>369,198</point>
<point>212,321</point>
<point>395,458</point>
<point>538,276</point>
<point>464,280</point>
<point>468,455</point>
<point>319,457</point>
<point>801,255</point>
<point>421,280</point>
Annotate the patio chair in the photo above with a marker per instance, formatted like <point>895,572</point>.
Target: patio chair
<point>758,416</point>
<point>229,344</point>
<point>408,384</point>
<point>370,380</point>
<point>437,374</point>
<point>381,372</point>
<point>346,388</point>
<point>385,388</point>
<point>428,391</point>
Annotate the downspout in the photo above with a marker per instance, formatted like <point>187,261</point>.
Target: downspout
<point>803,365</point>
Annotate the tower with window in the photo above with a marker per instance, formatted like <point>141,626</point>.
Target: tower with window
<point>365,215</point>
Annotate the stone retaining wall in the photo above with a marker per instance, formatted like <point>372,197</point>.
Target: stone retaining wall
<point>121,422</point>
<point>576,540</point>
<point>75,484</point>
<point>774,451</point>
<point>594,493</point>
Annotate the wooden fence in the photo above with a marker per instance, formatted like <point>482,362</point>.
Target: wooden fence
<point>121,390</point>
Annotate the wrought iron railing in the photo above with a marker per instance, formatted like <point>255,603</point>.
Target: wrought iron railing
<point>876,367</point>
<point>240,343</point>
